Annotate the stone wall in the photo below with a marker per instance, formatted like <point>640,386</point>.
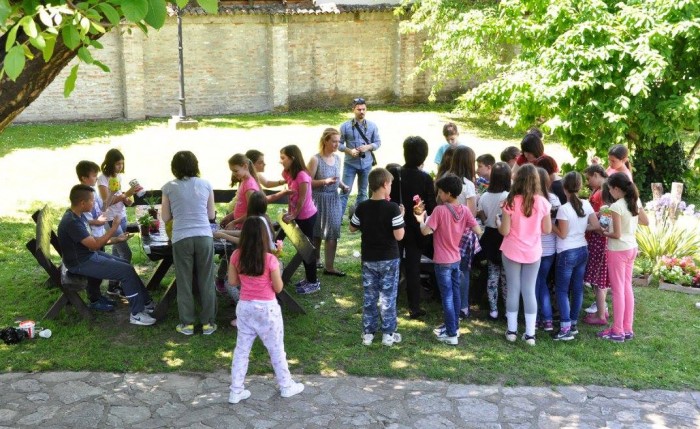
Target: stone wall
<point>239,63</point>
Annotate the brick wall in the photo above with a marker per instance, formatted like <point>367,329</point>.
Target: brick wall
<point>243,63</point>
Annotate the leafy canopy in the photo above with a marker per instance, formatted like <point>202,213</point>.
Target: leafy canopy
<point>594,72</point>
<point>31,27</point>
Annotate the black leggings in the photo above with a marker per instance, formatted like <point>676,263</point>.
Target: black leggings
<point>307,227</point>
<point>410,261</point>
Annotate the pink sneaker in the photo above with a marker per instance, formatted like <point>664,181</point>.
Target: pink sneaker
<point>592,319</point>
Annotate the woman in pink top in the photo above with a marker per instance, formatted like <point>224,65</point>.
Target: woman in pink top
<point>243,171</point>
<point>258,313</point>
<point>525,219</point>
<point>301,208</point>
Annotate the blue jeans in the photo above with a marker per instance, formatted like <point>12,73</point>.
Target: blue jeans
<point>464,281</point>
<point>570,268</point>
<point>380,281</point>
<point>120,250</point>
<point>349,173</point>
<point>448,280</point>
<point>544,300</point>
<point>102,265</point>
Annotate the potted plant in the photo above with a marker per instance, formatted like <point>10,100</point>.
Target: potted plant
<point>678,274</point>
<point>145,222</point>
<point>641,271</point>
<point>152,200</point>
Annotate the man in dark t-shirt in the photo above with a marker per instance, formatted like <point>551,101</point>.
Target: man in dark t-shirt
<point>382,225</point>
<point>81,255</point>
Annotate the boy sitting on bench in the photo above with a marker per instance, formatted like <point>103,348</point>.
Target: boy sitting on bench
<point>81,255</point>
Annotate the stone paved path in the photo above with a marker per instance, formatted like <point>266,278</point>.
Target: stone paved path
<point>93,400</point>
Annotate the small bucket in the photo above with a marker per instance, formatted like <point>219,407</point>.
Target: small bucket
<point>28,327</point>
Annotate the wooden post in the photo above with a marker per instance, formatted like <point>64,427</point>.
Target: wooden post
<point>676,194</point>
<point>657,190</point>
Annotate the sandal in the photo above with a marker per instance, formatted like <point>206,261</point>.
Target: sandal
<point>334,273</point>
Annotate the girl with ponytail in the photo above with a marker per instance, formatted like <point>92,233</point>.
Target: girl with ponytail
<point>244,173</point>
<point>573,219</point>
<point>627,213</point>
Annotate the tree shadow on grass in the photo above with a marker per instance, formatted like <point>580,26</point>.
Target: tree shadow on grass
<point>64,134</point>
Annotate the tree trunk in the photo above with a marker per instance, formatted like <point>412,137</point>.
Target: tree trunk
<point>36,76</point>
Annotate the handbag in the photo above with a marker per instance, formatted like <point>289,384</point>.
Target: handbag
<point>468,244</point>
<point>362,134</point>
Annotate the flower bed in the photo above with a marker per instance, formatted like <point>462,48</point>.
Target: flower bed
<point>678,274</point>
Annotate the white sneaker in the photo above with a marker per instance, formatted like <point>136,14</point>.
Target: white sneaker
<point>292,390</point>
<point>592,309</point>
<point>529,340</point>
<point>441,330</point>
<point>141,318</point>
<point>453,341</point>
<point>390,339</point>
<point>511,336</point>
<point>234,398</point>
<point>367,339</point>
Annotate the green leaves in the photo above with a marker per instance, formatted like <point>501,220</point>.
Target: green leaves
<point>156,13</point>
<point>69,86</point>
<point>211,6</point>
<point>5,10</point>
<point>14,62</point>
<point>71,38</point>
<point>135,10</point>
<point>593,72</point>
<point>109,12</point>
<point>78,24</point>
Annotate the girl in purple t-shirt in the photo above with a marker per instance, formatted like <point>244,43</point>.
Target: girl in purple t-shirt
<point>301,208</point>
<point>525,218</point>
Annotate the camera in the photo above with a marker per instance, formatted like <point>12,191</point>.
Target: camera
<point>362,155</point>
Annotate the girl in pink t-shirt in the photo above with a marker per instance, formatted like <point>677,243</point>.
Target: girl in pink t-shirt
<point>301,208</point>
<point>258,313</point>
<point>243,171</point>
<point>525,218</point>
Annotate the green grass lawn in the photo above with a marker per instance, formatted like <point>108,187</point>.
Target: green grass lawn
<point>327,339</point>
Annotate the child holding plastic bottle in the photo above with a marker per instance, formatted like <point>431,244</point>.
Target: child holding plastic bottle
<point>109,183</point>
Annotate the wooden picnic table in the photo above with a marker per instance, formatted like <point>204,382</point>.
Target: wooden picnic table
<point>158,248</point>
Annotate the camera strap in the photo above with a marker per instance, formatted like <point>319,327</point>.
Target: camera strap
<point>359,130</point>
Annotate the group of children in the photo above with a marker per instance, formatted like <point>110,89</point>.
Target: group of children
<point>536,228</point>
<point>528,228</point>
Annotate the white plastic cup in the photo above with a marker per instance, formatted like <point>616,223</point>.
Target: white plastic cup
<point>45,333</point>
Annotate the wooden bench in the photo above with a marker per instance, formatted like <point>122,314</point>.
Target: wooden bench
<point>69,284</point>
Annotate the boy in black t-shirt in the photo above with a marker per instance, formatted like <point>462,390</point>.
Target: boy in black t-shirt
<point>382,226</point>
